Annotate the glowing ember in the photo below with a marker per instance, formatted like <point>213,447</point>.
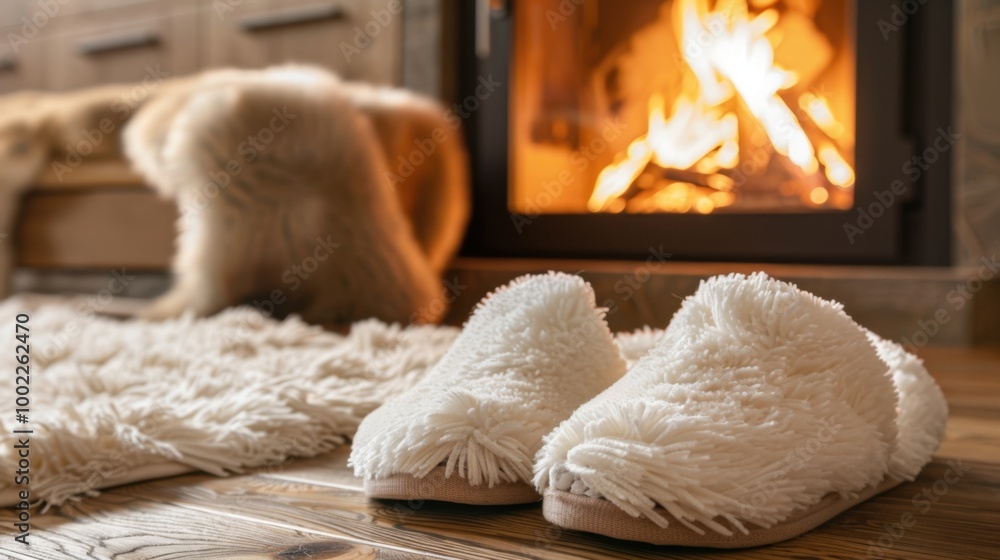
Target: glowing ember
<point>819,111</point>
<point>819,195</point>
<point>696,149</point>
<point>837,170</point>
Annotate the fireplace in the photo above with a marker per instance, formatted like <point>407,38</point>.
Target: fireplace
<point>753,130</point>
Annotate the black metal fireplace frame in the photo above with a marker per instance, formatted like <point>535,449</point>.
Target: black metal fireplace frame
<point>904,84</point>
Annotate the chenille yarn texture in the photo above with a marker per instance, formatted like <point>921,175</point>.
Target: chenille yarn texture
<point>758,401</point>
<point>531,353</point>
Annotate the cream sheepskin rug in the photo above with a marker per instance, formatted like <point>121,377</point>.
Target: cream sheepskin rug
<point>120,401</point>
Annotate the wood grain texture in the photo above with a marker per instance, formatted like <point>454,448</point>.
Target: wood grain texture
<point>314,508</point>
<point>123,527</point>
<point>175,50</point>
<point>891,301</point>
<point>321,42</point>
<point>97,229</point>
<point>91,175</point>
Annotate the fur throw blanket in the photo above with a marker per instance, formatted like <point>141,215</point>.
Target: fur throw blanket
<point>289,154</point>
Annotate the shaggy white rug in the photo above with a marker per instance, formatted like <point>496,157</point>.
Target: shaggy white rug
<point>120,401</point>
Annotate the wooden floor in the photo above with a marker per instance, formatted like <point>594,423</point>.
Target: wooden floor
<point>314,509</point>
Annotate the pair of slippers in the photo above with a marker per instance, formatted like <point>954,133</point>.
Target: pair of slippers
<point>761,412</point>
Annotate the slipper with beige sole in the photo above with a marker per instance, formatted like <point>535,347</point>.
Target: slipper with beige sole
<point>531,353</point>
<point>761,412</point>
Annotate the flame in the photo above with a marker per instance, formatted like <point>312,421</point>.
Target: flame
<point>729,56</point>
<point>616,178</point>
<point>838,171</point>
<point>818,109</point>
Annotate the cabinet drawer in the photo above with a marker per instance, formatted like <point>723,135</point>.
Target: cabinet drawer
<point>259,33</point>
<point>12,11</point>
<point>96,229</point>
<point>40,12</point>
<point>119,45</point>
<point>71,7</point>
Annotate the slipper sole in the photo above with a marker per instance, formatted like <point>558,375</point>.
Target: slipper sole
<point>596,515</point>
<point>435,486</point>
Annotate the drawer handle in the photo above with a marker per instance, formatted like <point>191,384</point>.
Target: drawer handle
<point>7,63</point>
<point>294,16</point>
<point>124,41</point>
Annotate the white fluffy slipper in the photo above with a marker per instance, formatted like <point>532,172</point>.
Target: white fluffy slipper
<point>762,412</point>
<point>531,353</point>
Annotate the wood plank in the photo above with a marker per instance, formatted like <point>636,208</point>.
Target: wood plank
<point>328,470</point>
<point>969,438</point>
<point>938,519</point>
<point>314,508</point>
<point>175,49</point>
<point>105,229</point>
<point>891,301</point>
<point>346,513</point>
<point>91,175</point>
<point>970,380</point>
<point>121,527</point>
<point>319,42</point>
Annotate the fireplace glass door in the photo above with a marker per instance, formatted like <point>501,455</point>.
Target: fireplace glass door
<point>682,107</point>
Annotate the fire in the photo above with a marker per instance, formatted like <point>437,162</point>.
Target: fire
<point>733,75</point>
